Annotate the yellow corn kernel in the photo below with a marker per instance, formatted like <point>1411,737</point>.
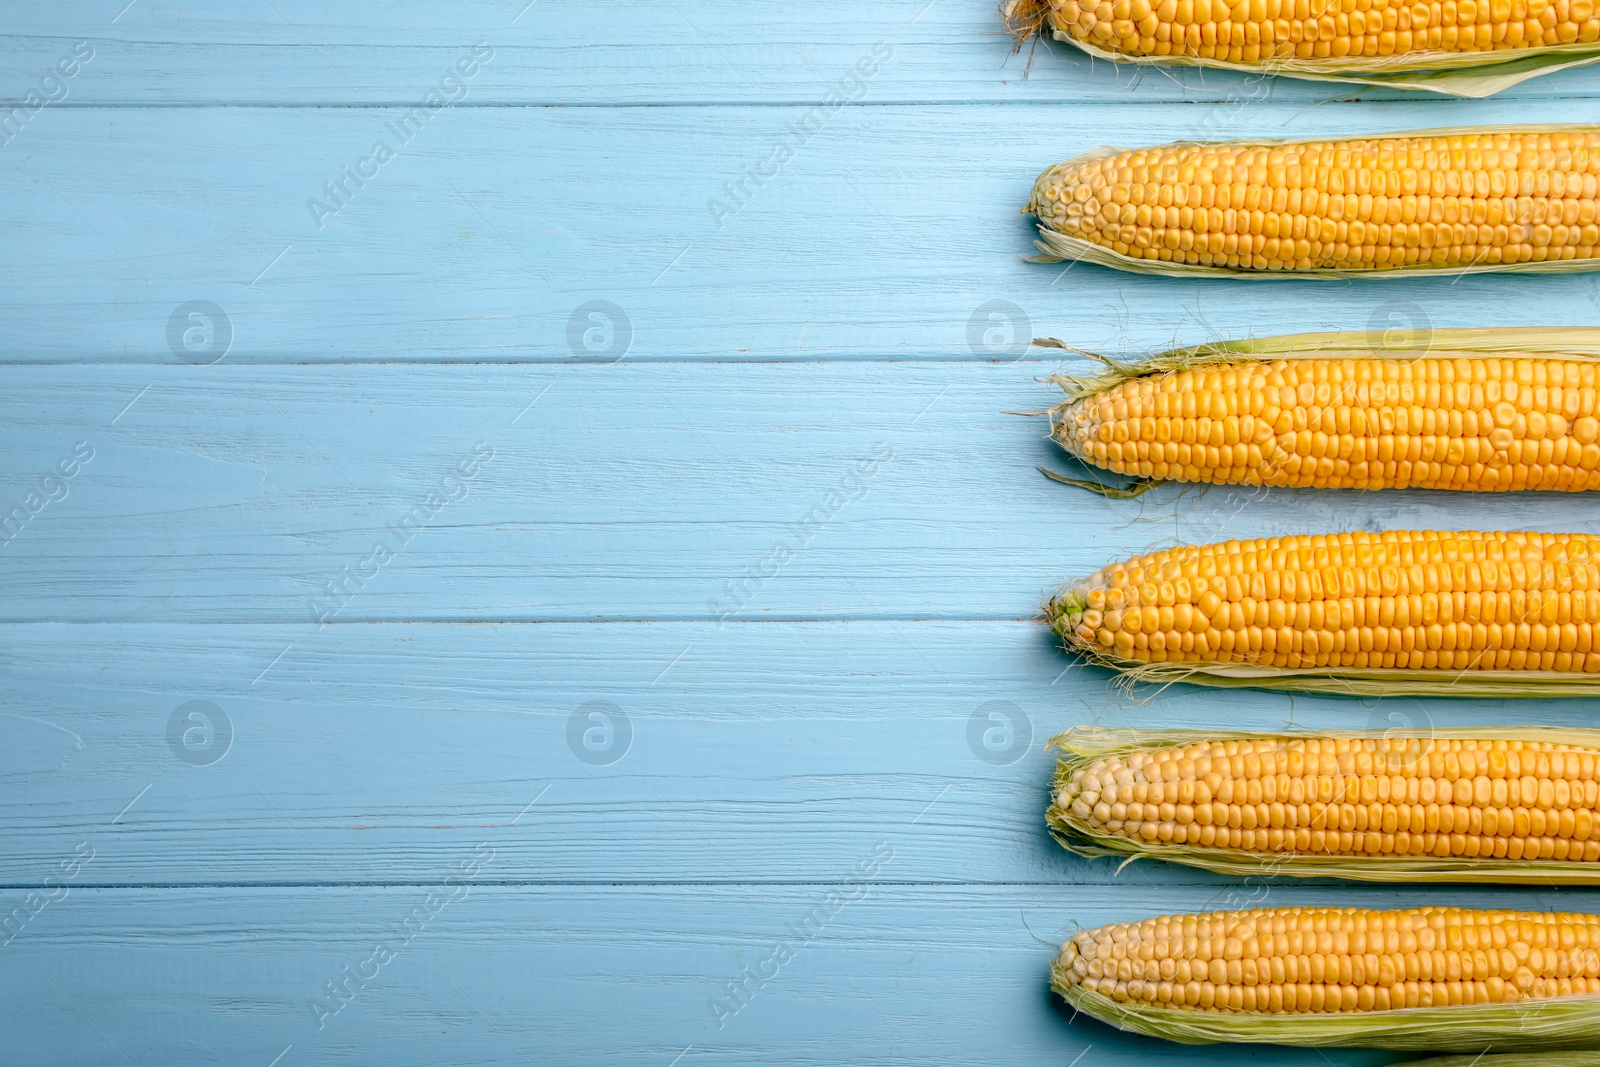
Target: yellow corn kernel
<point>1374,40</point>
<point>1445,202</point>
<point>1430,422</point>
<point>1447,613</point>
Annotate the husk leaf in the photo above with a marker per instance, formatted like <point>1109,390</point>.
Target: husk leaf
<point>1469,75</point>
<point>1513,1059</point>
<point>1083,745</point>
<point>1057,247</point>
<point>1531,342</point>
<point>1563,1022</point>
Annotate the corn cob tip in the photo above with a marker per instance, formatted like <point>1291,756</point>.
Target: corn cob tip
<point>1068,613</point>
<point>1075,421</point>
<point>1057,183</point>
<point>1475,51</point>
<point>1063,418</point>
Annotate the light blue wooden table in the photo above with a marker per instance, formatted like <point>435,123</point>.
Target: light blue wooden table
<point>545,573</point>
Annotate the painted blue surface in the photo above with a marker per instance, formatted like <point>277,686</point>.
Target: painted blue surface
<point>681,614</point>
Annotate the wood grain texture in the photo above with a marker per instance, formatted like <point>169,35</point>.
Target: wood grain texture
<point>492,227</point>
<point>898,975</point>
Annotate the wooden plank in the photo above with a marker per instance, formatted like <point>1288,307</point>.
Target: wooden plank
<point>493,231</point>
<point>762,491</point>
<point>615,974</point>
<point>565,52</point>
<point>642,743</point>
<point>753,752</point>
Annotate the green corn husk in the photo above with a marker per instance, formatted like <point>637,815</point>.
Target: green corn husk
<point>1578,343</point>
<point>1056,247</point>
<point>1082,746</point>
<point>1513,1059</point>
<point>1566,1022</point>
<point>1472,75</point>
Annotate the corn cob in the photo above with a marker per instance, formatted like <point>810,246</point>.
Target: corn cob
<point>1512,805</point>
<point>1464,48</point>
<point>1482,410</point>
<point>1429,202</point>
<point>1420,612</point>
<point>1447,979</point>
